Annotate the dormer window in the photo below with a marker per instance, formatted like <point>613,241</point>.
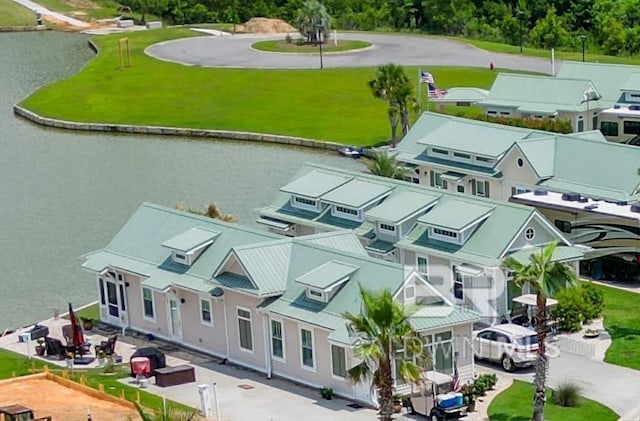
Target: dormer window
<point>324,281</point>
<point>305,203</point>
<point>445,233</point>
<point>347,213</point>
<point>387,227</point>
<point>186,247</point>
<point>317,295</point>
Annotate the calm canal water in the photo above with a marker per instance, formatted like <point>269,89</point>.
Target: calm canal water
<point>63,194</point>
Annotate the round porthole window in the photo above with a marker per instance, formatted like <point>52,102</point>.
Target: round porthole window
<point>520,162</point>
<point>529,233</point>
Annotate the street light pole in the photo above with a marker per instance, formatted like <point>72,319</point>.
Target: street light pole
<point>584,39</point>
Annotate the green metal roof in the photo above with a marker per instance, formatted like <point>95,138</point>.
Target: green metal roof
<point>327,275</point>
<point>531,93</point>
<point>338,240</point>
<point>561,254</point>
<point>401,205</point>
<point>266,264</point>
<point>440,316</point>
<point>456,214</point>
<point>315,184</point>
<point>540,154</point>
<point>191,239</point>
<point>632,83</point>
<point>464,94</point>
<point>606,77</point>
<point>160,283</point>
<point>357,193</point>
<point>236,282</point>
<point>381,247</point>
<point>469,136</point>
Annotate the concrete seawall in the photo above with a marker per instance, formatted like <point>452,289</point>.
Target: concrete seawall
<point>173,131</point>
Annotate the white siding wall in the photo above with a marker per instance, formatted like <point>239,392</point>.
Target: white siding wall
<point>199,335</point>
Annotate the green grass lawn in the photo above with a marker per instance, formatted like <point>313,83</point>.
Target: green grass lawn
<point>291,47</point>
<point>622,321</point>
<point>12,14</point>
<point>329,104</point>
<point>516,404</point>
<point>12,363</point>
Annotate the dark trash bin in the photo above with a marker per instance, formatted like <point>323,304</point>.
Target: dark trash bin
<point>156,357</point>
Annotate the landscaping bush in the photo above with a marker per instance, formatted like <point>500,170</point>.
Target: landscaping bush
<point>594,301</point>
<point>567,394</point>
<point>545,124</point>
<point>484,382</point>
<point>568,311</point>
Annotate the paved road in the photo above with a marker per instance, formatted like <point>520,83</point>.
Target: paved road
<point>235,51</point>
<point>614,386</point>
<point>46,12</point>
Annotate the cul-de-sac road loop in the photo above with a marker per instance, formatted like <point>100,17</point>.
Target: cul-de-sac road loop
<point>236,51</point>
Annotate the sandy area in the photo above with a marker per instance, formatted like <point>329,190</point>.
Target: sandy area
<point>47,397</point>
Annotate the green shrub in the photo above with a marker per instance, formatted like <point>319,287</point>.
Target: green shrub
<point>300,41</point>
<point>593,301</point>
<point>569,309</point>
<point>546,124</point>
<point>567,394</point>
<point>288,39</point>
<point>484,382</point>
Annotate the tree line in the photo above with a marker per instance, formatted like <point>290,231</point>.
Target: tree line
<point>613,26</point>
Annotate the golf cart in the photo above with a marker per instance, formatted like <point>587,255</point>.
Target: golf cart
<point>435,399</point>
<point>524,310</point>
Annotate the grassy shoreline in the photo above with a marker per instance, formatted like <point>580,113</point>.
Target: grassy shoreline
<point>13,14</point>
<point>330,104</point>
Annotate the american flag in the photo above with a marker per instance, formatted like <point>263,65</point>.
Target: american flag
<point>434,92</point>
<point>426,77</point>
<point>456,378</point>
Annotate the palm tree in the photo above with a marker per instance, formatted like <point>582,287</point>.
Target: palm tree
<point>383,328</point>
<point>211,211</point>
<point>312,21</point>
<point>164,415</point>
<point>393,85</point>
<point>545,277</point>
<point>384,165</point>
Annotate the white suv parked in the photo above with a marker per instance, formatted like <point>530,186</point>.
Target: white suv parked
<point>510,344</point>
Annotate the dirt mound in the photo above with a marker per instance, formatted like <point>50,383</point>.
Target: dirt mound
<point>265,26</point>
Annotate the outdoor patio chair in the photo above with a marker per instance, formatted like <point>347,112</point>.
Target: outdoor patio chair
<point>67,333</point>
<point>108,346</point>
<point>55,348</point>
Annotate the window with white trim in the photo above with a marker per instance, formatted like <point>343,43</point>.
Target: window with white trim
<point>348,211</point>
<point>445,233</point>
<point>529,233</point>
<point>422,263</point>
<point>306,348</point>
<point>458,285</point>
<point>305,201</point>
<point>206,315</point>
<point>317,295</point>
<point>244,329</point>
<point>440,151</point>
<point>481,188</point>
<point>387,227</point>
<point>147,303</point>
<point>338,361</point>
<point>277,339</point>
<point>462,155</point>
<point>410,292</point>
<point>440,347</point>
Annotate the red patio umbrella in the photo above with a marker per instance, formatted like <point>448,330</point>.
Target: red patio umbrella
<point>78,336</point>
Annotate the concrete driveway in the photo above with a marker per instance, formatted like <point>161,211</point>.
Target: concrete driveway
<point>236,51</point>
<point>613,386</point>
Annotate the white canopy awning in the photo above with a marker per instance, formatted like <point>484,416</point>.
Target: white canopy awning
<point>530,300</point>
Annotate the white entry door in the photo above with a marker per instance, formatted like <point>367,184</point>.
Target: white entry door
<point>113,304</point>
<point>174,318</point>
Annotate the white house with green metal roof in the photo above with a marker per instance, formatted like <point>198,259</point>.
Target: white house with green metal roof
<point>455,241</point>
<point>264,301</point>
<point>529,96</point>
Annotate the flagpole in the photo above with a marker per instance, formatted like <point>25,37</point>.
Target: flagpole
<point>419,91</point>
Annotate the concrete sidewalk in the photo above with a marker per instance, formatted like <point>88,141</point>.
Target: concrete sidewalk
<point>46,12</point>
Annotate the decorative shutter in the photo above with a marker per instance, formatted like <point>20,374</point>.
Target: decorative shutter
<point>432,179</point>
<point>486,189</point>
<point>513,191</point>
<point>473,187</point>
<point>444,184</point>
